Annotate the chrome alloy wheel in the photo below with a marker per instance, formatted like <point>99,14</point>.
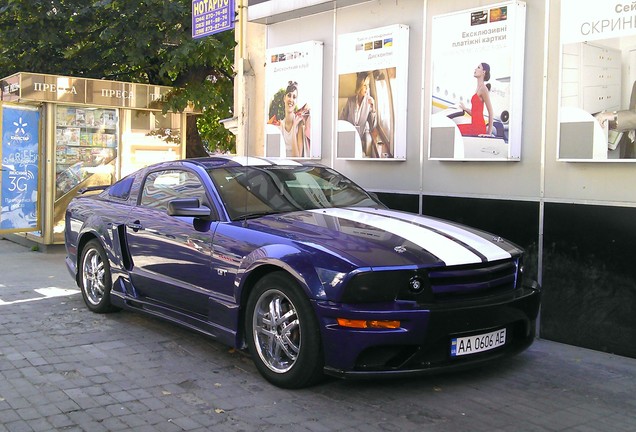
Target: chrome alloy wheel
<point>93,277</point>
<point>277,331</point>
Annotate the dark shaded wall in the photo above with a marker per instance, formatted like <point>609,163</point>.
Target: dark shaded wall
<point>590,277</point>
<point>589,263</point>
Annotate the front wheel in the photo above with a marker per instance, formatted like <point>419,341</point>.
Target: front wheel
<point>282,333</point>
<point>95,278</point>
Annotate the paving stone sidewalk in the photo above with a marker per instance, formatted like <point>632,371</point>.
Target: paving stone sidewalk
<point>63,368</point>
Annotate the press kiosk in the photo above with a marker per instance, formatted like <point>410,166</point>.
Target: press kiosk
<point>89,132</point>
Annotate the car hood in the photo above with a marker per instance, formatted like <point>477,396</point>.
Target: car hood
<point>380,237</point>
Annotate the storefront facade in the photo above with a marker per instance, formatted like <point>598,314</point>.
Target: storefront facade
<point>554,172</point>
<point>85,132</point>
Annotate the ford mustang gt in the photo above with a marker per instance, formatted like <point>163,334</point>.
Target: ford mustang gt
<point>299,265</point>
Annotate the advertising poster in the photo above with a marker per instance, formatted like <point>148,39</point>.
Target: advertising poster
<point>477,83</point>
<point>293,97</point>
<point>597,115</point>
<point>19,128</point>
<point>372,81</point>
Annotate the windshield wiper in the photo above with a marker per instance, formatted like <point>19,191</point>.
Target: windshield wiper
<point>255,215</point>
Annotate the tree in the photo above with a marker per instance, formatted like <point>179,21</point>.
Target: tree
<point>147,41</point>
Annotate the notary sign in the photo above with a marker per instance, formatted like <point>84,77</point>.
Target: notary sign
<point>211,16</point>
<point>19,128</point>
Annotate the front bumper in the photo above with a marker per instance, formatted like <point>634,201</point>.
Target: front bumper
<point>422,344</point>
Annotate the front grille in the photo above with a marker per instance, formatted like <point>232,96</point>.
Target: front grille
<point>464,282</point>
<point>431,285</point>
<point>471,281</point>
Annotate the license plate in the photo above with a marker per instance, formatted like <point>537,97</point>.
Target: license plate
<point>478,343</point>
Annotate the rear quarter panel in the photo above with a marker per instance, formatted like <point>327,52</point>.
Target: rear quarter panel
<point>93,217</point>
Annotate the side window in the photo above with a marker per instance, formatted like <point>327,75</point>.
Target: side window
<point>121,189</point>
<point>161,187</point>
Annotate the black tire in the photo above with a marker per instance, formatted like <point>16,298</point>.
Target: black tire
<point>287,353</point>
<point>95,279</point>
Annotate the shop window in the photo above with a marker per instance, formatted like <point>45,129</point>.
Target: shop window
<point>149,121</point>
<point>152,137</point>
<point>86,144</point>
<point>86,141</point>
<point>140,120</point>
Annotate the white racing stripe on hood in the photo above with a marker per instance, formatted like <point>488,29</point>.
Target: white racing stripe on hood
<point>486,248</point>
<point>449,251</point>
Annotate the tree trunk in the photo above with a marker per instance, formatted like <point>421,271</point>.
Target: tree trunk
<point>194,144</point>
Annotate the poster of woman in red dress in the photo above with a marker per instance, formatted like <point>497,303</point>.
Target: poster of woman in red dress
<point>477,83</point>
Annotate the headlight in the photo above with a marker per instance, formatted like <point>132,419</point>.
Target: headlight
<point>520,270</point>
<point>383,286</point>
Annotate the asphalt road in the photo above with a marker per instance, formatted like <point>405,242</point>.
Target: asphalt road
<point>65,368</point>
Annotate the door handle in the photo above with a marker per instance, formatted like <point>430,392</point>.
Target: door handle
<point>135,226</point>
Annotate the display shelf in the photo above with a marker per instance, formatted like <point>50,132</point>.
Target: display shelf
<point>85,140</point>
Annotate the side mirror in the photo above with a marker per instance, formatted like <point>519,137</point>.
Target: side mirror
<point>190,207</point>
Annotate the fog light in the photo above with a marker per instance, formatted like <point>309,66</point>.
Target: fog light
<point>344,322</point>
<point>416,285</point>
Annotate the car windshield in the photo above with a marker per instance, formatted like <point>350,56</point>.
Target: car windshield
<point>253,191</point>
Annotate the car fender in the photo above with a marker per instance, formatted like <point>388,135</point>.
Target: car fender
<point>286,257</point>
<point>94,227</point>
<point>267,259</point>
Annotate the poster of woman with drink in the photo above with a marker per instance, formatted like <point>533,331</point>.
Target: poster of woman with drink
<point>294,100</point>
<point>372,82</point>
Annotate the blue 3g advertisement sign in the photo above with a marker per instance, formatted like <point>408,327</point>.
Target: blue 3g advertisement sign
<point>19,187</point>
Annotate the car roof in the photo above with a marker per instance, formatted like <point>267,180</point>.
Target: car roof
<point>232,161</point>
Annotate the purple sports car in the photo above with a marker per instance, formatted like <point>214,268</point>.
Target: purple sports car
<point>301,266</point>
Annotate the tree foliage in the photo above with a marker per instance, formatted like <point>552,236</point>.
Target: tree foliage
<point>146,41</point>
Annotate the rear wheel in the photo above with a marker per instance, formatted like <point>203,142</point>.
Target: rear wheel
<point>95,278</point>
<point>282,333</point>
